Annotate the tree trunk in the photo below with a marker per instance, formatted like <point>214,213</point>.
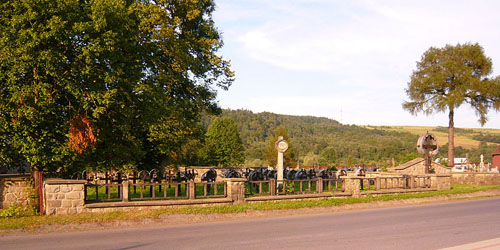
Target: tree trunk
<point>451,140</point>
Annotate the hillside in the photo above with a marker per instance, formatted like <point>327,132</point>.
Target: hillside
<point>466,138</point>
<point>323,141</point>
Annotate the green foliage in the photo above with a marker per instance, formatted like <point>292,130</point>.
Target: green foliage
<point>487,138</point>
<point>12,211</point>
<point>223,145</point>
<point>326,141</point>
<point>15,211</point>
<point>142,72</point>
<point>448,77</point>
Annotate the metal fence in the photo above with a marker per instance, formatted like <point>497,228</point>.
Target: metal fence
<point>206,189</point>
<point>257,188</point>
<point>103,192</point>
<point>158,191</point>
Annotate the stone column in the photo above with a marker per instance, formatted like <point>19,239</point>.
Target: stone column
<point>279,167</point>
<point>352,185</point>
<point>236,189</point>
<point>272,187</point>
<point>281,146</point>
<point>64,196</point>
<point>319,185</point>
<point>377,183</point>
<point>125,191</point>
<point>191,190</point>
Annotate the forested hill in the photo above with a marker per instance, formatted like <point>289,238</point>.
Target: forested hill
<point>320,141</point>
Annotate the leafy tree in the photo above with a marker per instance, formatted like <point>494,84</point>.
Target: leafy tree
<point>448,77</point>
<point>223,146</point>
<point>108,84</point>
<point>271,154</point>
<point>329,156</point>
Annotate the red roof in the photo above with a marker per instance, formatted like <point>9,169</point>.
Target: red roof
<point>497,151</point>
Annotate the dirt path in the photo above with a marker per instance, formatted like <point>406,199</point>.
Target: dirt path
<point>182,219</point>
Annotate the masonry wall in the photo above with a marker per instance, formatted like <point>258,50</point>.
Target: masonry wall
<point>419,169</point>
<point>63,196</point>
<point>14,188</point>
<point>475,178</point>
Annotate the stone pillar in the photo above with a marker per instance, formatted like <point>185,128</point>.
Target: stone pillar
<point>272,187</point>
<point>14,189</point>
<point>441,181</point>
<point>279,167</point>
<point>236,189</point>
<point>191,190</point>
<point>319,185</point>
<point>352,185</point>
<point>434,182</point>
<point>281,146</point>
<point>64,196</point>
<point>125,191</point>
<point>377,183</point>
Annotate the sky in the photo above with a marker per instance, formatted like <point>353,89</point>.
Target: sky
<point>346,60</point>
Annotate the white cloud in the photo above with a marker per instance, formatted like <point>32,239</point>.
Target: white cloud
<point>356,50</point>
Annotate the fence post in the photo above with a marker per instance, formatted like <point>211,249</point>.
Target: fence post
<point>352,185</point>
<point>377,183</point>
<point>125,192</point>
<point>272,186</point>
<point>319,185</point>
<point>236,189</point>
<point>191,190</point>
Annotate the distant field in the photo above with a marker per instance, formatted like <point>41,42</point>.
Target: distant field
<point>463,137</point>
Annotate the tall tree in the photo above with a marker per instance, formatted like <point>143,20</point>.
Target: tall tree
<point>223,145</point>
<point>106,83</point>
<point>271,154</point>
<point>448,77</point>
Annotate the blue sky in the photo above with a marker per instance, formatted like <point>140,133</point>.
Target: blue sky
<point>346,60</point>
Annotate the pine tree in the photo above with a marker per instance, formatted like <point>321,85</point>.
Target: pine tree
<point>448,77</point>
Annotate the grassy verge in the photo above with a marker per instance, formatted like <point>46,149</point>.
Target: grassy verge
<point>32,222</point>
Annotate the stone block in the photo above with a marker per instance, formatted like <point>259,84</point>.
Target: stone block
<point>65,188</point>
<point>10,197</point>
<point>50,211</point>
<point>77,203</point>
<point>66,203</point>
<point>61,211</point>
<point>72,211</point>
<point>74,195</point>
<point>60,196</point>
<point>53,203</point>
<point>52,188</point>
<point>77,187</point>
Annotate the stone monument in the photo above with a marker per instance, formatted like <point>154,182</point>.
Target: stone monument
<point>281,145</point>
<point>427,145</point>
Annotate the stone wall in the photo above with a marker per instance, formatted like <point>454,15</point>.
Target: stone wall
<point>63,196</point>
<point>14,188</point>
<point>475,178</point>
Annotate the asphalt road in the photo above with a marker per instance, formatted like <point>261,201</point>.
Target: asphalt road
<point>430,226</point>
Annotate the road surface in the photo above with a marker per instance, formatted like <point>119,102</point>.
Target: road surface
<point>430,226</point>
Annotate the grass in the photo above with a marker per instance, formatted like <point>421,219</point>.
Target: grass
<point>33,222</point>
